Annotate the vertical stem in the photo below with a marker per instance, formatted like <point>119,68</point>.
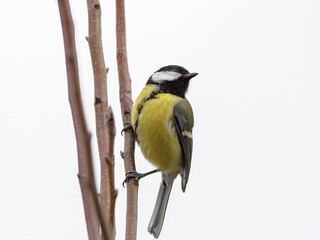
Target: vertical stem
<point>86,178</point>
<point>110,162</point>
<point>107,189</point>
<point>126,108</point>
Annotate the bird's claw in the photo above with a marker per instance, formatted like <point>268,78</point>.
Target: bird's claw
<point>127,126</point>
<point>129,175</point>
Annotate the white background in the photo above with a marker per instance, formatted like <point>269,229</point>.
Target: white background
<point>255,170</point>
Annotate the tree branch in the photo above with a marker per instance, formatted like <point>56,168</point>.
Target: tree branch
<point>126,108</point>
<point>86,177</point>
<point>110,162</point>
<point>105,136</point>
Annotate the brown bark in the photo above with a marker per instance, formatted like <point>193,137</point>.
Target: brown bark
<point>110,162</point>
<point>126,108</point>
<point>86,178</point>
<point>104,136</point>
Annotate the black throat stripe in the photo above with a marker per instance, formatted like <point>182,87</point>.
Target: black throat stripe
<point>153,95</point>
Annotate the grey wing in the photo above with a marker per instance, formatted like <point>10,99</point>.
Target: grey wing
<point>183,118</point>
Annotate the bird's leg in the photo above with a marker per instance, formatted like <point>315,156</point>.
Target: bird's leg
<point>127,126</point>
<point>137,176</point>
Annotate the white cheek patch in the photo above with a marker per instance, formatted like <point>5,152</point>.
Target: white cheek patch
<point>165,76</point>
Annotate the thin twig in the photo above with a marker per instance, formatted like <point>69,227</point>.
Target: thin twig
<point>104,231</point>
<point>110,162</point>
<point>101,103</point>
<point>126,107</point>
<point>86,178</point>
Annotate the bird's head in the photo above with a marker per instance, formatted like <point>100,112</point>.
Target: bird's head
<point>172,79</point>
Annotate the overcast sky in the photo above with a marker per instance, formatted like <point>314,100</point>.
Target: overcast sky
<point>256,100</point>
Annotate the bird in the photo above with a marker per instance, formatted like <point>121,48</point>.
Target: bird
<point>162,121</point>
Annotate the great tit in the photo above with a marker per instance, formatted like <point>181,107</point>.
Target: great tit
<point>162,120</point>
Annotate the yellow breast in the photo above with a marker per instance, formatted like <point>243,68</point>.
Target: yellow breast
<point>152,120</point>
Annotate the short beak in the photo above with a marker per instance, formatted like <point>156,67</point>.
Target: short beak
<point>189,75</point>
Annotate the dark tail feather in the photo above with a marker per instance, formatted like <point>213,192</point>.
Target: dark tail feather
<point>159,211</point>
